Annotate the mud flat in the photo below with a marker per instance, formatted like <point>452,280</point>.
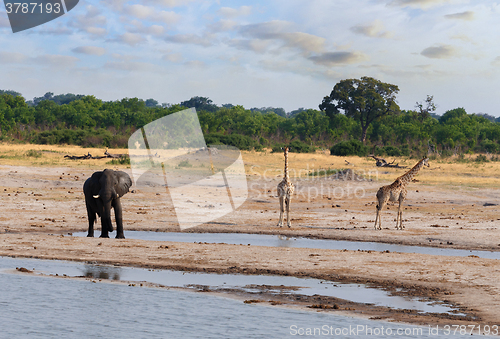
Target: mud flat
<point>41,205</point>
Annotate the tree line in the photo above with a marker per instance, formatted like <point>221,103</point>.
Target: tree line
<point>360,116</point>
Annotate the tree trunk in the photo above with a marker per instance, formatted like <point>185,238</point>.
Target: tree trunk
<point>363,134</point>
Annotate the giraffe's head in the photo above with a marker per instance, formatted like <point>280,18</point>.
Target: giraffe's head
<point>285,150</point>
<point>425,162</point>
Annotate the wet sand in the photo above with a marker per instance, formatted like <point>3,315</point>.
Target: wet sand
<point>42,205</point>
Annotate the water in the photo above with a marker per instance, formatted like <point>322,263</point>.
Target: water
<point>280,241</point>
<point>306,286</point>
<point>44,307</point>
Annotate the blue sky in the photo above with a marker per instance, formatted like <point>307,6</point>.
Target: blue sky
<point>280,53</point>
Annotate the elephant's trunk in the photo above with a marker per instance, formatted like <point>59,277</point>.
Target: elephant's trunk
<point>107,200</point>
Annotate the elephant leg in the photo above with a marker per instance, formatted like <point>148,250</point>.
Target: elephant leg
<point>92,217</point>
<point>118,217</point>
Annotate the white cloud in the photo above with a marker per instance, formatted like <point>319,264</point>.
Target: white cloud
<point>191,39</point>
<point>170,3</point>
<point>96,31</point>
<point>131,39</point>
<point>423,4</point>
<point>151,14</point>
<point>131,66</point>
<point>280,31</point>
<point>467,16</point>
<point>172,57</point>
<point>373,30</point>
<point>90,50</point>
<point>229,12</point>
<point>338,58</point>
<point>12,57</point>
<point>440,52</point>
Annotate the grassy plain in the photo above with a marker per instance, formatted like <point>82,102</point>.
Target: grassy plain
<point>453,171</point>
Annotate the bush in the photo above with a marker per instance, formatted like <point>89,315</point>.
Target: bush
<point>351,147</point>
<point>481,158</point>
<point>488,146</point>
<point>392,151</point>
<point>298,146</point>
<point>241,142</point>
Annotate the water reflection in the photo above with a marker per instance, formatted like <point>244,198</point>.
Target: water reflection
<point>102,272</point>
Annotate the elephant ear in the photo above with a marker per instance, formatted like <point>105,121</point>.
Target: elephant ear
<point>124,183</point>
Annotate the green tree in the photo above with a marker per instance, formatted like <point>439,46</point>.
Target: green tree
<point>365,100</point>
<point>201,104</point>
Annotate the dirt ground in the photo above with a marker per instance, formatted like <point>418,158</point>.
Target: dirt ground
<point>43,202</point>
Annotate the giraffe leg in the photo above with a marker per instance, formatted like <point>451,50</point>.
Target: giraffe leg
<point>287,202</point>
<point>400,216</point>
<point>280,222</point>
<point>377,217</point>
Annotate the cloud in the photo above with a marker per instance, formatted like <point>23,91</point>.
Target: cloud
<point>229,12</point>
<point>280,31</point>
<point>439,52</point>
<point>131,39</point>
<point>12,57</point>
<point>172,57</point>
<point>223,25</point>
<point>189,39</point>
<point>59,61</point>
<point>338,58</point>
<point>467,16</point>
<point>254,45</point>
<point>89,50</point>
<point>495,62</point>
<point>373,30</point>
<point>423,4</point>
<point>151,14</point>
<point>56,31</point>
<point>169,3</point>
<point>96,30</point>
<point>131,66</point>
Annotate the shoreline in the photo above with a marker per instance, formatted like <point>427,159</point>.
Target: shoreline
<point>214,258</point>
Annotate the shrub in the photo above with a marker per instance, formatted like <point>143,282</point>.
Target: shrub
<point>351,147</point>
<point>392,151</point>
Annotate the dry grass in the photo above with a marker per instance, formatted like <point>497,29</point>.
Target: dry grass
<point>52,155</point>
<point>447,172</point>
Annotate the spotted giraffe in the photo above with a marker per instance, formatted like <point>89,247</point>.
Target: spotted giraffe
<point>397,192</point>
<point>285,191</point>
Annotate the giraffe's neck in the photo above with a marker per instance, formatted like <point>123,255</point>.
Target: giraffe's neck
<point>408,176</point>
<point>286,177</point>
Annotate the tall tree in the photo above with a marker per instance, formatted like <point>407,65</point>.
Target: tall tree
<point>201,104</point>
<point>425,109</point>
<point>365,100</point>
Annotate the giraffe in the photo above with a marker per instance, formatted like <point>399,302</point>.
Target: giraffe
<point>285,191</point>
<point>397,192</point>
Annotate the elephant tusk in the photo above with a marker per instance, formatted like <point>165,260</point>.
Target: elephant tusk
<point>117,195</point>
<point>96,196</point>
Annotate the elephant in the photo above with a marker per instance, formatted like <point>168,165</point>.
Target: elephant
<point>103,190</point>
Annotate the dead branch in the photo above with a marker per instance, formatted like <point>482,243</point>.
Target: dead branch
<point>381,162</point>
